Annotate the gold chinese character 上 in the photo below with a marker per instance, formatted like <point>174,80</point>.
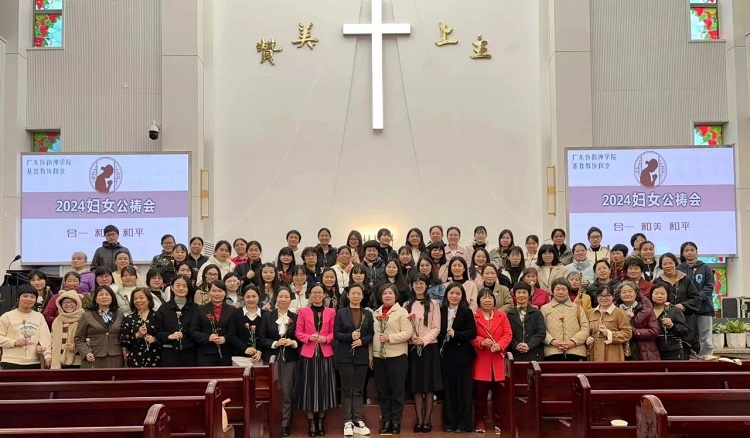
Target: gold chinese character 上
<point>480,49</point>
<point>444,31</point>
<point>266,50</point>
<point>305,37</point>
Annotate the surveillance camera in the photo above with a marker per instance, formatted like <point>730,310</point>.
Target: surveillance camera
<point>153,131</point>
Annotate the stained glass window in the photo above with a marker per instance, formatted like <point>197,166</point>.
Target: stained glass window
<point>46,142</point>
<point>704,23</point>
<point>45,5</point>
<point>708,135</point>
<point>48,23</point>
<point>703,1</point>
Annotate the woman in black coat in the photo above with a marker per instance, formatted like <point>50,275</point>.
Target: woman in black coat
<point>214,326</point>
<point>672,324</point>
<point>172,323</point>
<point>276,339</point>
<point>527,323</point>
<point>353,329</point>
<point>457,329</point>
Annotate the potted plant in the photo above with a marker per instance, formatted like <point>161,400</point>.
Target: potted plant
<point>718,333</point>
<point>736,337</point>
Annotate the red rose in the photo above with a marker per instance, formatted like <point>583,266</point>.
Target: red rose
<point>703,129</point>
<point>714,34</point>
<point>708,22</point>
<point>699,11</point>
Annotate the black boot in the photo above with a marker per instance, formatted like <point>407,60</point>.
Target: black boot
<point>395,428</point>
<point>386,429</point>
<point>284,430</point>
<point>312,430</point>
<point>319,425</point>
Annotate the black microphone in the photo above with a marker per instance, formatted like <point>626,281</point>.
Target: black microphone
<point>15,259</point>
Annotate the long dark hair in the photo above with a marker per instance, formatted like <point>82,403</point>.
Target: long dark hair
<point>425,301</point>
<point>422,247</point>
<point>472,268</point>
<point>464,302</point>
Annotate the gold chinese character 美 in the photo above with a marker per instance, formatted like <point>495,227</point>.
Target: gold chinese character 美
<point>444,31</point>
<point>305,37</point>
<point>266,50</point>
<point>480,49</point>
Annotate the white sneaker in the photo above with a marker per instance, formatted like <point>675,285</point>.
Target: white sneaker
<point>361,429</point>
<point>348,429</point>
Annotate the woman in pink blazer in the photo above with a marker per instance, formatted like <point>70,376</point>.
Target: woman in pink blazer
<point>316,381</point>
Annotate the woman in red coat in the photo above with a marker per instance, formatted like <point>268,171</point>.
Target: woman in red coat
<point>493,338</point>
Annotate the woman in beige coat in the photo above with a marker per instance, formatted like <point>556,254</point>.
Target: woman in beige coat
<point>609,329</point>
<point>388,357</point>
<point>70,310</point>
<point>567,325</point>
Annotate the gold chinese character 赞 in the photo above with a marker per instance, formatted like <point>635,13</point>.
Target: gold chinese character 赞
<point>266,50</point>
<point>444,31</point>
<point>480,49</point>
<point>305,37</point>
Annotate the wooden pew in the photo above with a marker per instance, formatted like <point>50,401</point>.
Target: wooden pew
<point>156,425</point>
<point>189,415</point>
<point>550,393</point>
<point>653,421</point>
<point>255,420</point>
<point>595,407</point>
<point>520,376</point>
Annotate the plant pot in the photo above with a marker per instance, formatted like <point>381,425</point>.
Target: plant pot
<point>736,340</point>
<point>747,341</point>
<point>718,340</point>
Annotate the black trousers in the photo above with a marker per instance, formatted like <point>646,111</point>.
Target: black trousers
<point>171,357</point>
<point>352,384</point>
<point>565,358</point>
<point>214,360</point>
<point>457,397</point>
<point>390,378</point>
<point>15,366</point>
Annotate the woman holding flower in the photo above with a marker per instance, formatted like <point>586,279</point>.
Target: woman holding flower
<point>424,357</point>
<point>246,342</point>
<point>457,330</point>
<point>610,329</point>
<point>388,357</point>
<point>172,322</point>
<point>213,326</point>
<point>316,379</point>
<point>98,333</point>
<point>566,323</point>
<point>672,325</point>
<point>70,310</point>
<point>527,324</point>
<point>354,329</point>
<point>276,338</point>
<point>138,334</point>
<point>493,338</point>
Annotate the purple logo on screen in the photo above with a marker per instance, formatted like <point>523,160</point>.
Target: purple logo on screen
<point>650,169</point>
<point>105,175</point>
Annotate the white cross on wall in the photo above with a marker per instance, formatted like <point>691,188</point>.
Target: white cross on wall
<point>376,30</point>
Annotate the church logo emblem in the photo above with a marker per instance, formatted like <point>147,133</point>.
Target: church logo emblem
<point>105,175</point>
<point>650,169</point>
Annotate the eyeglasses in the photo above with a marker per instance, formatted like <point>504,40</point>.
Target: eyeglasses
<point>604,296</point>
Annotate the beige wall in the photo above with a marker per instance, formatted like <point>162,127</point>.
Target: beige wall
<point>104,88</point>
<point>294,146</point>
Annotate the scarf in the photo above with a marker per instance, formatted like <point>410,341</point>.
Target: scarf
<point>629,310</point>
<point>64,329</point>
<point>345,268</point>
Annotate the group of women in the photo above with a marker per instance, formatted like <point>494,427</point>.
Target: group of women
<point>431,317</point>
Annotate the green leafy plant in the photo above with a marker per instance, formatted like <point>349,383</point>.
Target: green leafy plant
<point>719,329</point>
<point>737,326</point>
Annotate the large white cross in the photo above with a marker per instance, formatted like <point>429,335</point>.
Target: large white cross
<point>376,30</point>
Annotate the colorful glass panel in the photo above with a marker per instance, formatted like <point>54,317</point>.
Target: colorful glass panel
<point>704,23</point>
<point>720,285</point>
<point>48,30</point>
<point>703,1</point>
<point>46,142</point>
<point>708,135</point>
<point>43,5</point>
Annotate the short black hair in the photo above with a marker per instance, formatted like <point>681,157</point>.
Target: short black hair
<point>522,285</point>
<point>621,248</point>
<point>290,232</point>
<point>545,249</point>
<point>486,292</point>
<point>635,261</point>
<point>635,236</point>
<point>594,230</point>
<point>370,244</point>
<point>110,228</point>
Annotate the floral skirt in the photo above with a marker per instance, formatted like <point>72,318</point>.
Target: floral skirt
<point>315,384</point>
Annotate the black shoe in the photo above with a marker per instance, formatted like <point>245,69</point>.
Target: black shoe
<point>312,429</point>
<point>285,431</point>
<point>417,428</point>
<point>427,428</point>
<point>448,430</point>
<point>319,426</point>
<point>386,429</point>
<point>395,428</point>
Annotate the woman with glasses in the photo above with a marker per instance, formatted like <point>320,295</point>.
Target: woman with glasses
<point>609,328</point>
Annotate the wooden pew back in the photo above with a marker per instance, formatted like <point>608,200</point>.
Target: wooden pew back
<point>653,420</point>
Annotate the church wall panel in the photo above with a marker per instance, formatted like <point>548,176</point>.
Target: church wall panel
<point>104,87</point>
<point>650,82</point>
